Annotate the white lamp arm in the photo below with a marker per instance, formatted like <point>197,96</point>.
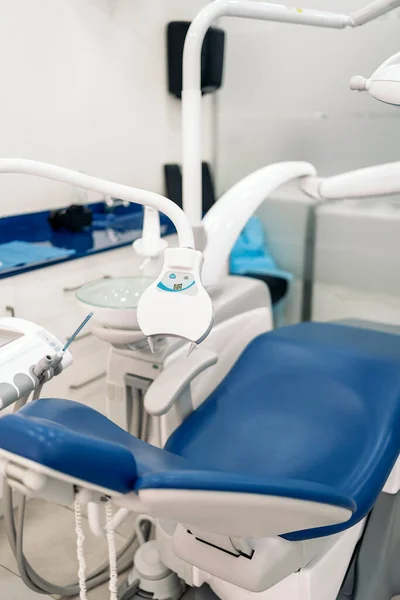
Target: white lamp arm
<point>107,188</point>
<point>227,217</point>
<point>379,180</point>
<point>372,11</point>
<point>191,93</point>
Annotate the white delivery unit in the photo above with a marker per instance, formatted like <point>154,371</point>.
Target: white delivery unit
<point>357,261</point>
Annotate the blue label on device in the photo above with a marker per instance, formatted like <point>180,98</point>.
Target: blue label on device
<point>176,282</point>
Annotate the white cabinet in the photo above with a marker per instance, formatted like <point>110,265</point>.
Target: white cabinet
<point>47,297</point>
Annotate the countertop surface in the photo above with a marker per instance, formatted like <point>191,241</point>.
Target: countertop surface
<point>109,230</point>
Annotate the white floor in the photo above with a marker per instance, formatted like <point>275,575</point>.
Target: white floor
<point>50,546</point>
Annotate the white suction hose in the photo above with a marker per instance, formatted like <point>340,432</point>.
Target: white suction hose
<point>106,188</point>
<point>226,219</point>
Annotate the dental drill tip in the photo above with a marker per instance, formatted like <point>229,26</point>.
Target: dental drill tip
<point>151,344</point>
<point>192,346</point>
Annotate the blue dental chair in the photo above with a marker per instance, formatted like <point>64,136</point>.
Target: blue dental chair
<point>296,442</point>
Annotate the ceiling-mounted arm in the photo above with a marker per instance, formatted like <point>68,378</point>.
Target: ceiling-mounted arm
<point>107,188</point>
<point>372,11</point>
<point>191,93</point>
<point>227,217</point>
<point>380,180</point>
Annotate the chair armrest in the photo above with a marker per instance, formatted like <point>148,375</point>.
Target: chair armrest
<point>172,382</point>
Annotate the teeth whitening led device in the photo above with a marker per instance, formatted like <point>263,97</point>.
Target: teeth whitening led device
<point>176,303</point>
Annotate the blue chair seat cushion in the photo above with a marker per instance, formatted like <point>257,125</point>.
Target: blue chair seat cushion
<point>76,440</point>
<point>311,402</point>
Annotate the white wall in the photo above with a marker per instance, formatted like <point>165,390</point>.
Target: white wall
<point>83,85</point>
<point>357,261</point>
<point>286,95</point>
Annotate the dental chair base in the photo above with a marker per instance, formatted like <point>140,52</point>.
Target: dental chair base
<point>276,570</point>
<point>150,576</point>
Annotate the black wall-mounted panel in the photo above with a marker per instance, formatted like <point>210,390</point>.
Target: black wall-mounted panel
<point>212,57</point>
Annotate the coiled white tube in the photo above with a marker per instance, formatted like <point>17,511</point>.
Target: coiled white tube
<point>112,553</point>
<point>80,538</point>
<point>107,188</point>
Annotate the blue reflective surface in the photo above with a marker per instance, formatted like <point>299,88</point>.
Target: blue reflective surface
<point>108,231</point>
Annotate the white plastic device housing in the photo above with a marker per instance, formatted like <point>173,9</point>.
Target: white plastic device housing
<point>19,355</point>
<point>384,83</point>
<point>177,304</point>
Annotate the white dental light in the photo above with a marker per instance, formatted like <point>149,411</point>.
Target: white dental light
<point>384,83</point>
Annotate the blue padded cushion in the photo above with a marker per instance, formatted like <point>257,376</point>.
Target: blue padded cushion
<point>72,438</point>
<point>314,402</point>
<point>309,412</point>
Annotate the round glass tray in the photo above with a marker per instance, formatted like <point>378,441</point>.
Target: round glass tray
<point>114,301</point>
<point>117,293</point>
